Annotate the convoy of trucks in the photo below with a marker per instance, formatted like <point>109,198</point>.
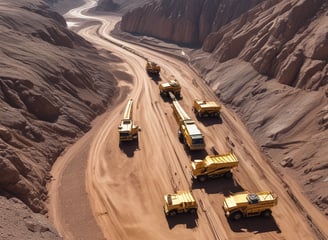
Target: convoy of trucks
<point>247,204</point>
<point>213,166</point>
<point>180,202</point>
<point>188,132</point>
<point>203,108</point>
<point>236,206</point>
<point>128,131</point>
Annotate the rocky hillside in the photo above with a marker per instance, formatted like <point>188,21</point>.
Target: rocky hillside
<point>184,21</point>
<point>268,62</point>
<point>52,84</point>
<point>121,6</point>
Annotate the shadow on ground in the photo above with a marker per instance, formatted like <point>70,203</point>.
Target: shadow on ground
<point>255,225</point>
<point>129,147</point>
<point>222,185</point>
<point>188,219</point>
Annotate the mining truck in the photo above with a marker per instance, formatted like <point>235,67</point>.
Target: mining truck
<point>203,108</point>
<point>152,68</point>
<point>247,204</point>
<point>188,132</point>
<point>180,202</point>
<point>172,86</point>
<point>213,166</point>
<point>127,129</point>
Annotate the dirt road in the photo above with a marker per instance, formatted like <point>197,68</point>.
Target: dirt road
<point>104,190</point>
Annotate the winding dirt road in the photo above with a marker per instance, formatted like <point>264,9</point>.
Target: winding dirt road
<point>105,191</point>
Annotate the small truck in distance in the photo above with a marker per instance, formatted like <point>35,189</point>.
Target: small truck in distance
<point>247,204</point>
<point>213,166</point>
<point>203,108</point>
<point>152,68</point>
<point>181,202</point>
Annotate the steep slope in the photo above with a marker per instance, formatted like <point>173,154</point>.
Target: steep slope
<point>270,65</point>
<point>52,85</point>
<point>184,21</point>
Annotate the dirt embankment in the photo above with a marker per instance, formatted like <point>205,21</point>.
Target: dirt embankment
<point>53,83</point>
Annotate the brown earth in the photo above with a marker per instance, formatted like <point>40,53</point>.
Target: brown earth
<point>125,184</point>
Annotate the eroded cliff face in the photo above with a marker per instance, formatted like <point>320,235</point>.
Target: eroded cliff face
<point>184,21</point>
<point>269,64</point>
<point>52,84</point>
<point>285,40</point>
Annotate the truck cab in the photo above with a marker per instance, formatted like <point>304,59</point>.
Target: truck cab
<point>180,202</point>
<point>248,204</point>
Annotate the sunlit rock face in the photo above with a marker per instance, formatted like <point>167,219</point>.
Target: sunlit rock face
<point>184,21</point>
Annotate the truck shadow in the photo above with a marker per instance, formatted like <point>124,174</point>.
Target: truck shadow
<point>210,121</point>
<point>129,147</point>
<point>255,225</point>
<point>200,154</point>
<point>188,219</point>
<point>222,185</point>
<point>155,78</point>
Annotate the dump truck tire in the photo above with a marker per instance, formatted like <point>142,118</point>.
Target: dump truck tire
<point>236,216</point>
<point>228,175</point>
<point>173,213</point>
<point>202,178</point>
<point>192,211</point>
<point>266,213</point>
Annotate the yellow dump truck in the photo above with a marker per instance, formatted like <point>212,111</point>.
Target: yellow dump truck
<point>213,166</point>
<point>203,108</point>
<point>188,132</point>
<point>127,129</point>
<point>172,86</point>
<point>247,204</point>
<point>152,68</point>
<point>181,202</point>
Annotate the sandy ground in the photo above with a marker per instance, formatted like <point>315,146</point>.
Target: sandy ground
<point>104,190</point>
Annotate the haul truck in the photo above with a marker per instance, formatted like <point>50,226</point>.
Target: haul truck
<point>213,166</point>
<point>182,201</point>
<point>204,108</point>
<point>247,204</point>
<point>152,68</point>
<point>127,129</point>
<point>172,86</point>
<point>188,130</point>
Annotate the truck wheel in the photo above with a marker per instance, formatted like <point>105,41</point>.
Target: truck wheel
<point>192,211</point>
<point>173,213</point>
<point>266,213</point>
<point>236,216</point>
<point>228,175</point>
<point>202,178</point>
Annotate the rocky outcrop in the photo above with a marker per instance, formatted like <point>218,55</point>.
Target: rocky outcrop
<point>52,84</point>
<point>289,43</point>
<point>121,6</point>
<point>184,21</point>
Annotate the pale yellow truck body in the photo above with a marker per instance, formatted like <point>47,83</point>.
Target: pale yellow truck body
<point>213,166</point>
<point>180,202</point>
<point>172,86</point>
<point>204,108</point>
<point>152,68</point>
<point>127,129</point>
<point>189,133</point>
<point>247,204</point>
